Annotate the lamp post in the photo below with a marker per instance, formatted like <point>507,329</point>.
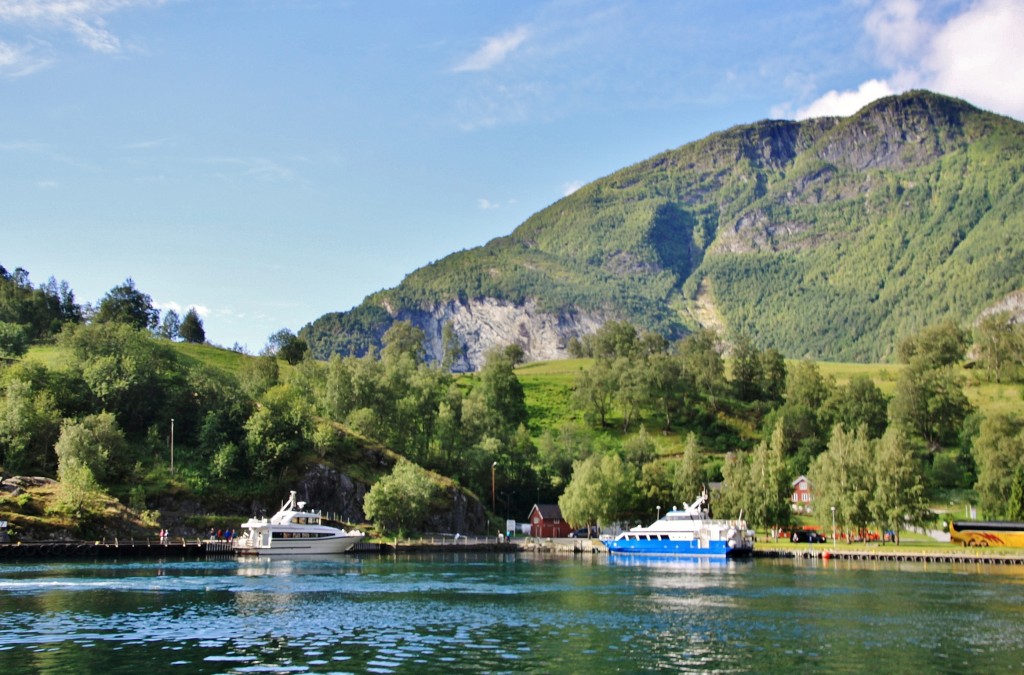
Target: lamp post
<point>833,526</point>
<point>172,446</point>
<point>493,466</point>
<point>657,512</point>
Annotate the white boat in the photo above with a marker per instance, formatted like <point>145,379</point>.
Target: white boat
<point>690,532</point>
<point>293,531</point>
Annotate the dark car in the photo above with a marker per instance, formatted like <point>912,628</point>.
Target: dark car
<point>807,537</point>
<point>584,533</point>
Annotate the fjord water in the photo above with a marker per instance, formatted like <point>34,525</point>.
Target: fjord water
<point>507,613</point>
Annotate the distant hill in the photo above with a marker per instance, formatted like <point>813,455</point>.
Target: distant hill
<point>829,238</point>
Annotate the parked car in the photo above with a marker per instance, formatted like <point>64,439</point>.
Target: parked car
<point>584,533</point>
<point>807,537</point>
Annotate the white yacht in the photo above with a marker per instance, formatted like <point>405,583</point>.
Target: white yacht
<point>690,532</point>
<point>293,531</point>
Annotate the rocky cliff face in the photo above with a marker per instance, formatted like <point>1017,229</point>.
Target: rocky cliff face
<point>487,323</point>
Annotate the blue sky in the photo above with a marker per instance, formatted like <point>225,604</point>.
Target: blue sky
<point>268,161</point>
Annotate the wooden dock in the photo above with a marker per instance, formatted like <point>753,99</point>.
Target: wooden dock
<point>131,548</point>
<point>894,554</point>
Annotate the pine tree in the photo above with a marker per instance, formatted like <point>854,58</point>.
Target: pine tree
<point>191,329</point>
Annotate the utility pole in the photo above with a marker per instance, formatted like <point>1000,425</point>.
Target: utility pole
<point>172,446</point>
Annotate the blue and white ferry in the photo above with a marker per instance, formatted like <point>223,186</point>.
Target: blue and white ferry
<point>690,531</point>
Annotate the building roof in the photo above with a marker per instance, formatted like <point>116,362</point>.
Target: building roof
<point>801,478</point>
<point>548,511</point>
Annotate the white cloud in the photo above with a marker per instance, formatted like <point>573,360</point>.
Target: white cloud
<point>974,55</point>
<point>486,204</point>
<point>843,103</point>
<point>181,310</point>
<point>83,19</point>
<point>494,51</point>
<point>978,56</point>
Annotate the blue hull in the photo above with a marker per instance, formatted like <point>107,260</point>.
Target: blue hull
<point>715,549</point>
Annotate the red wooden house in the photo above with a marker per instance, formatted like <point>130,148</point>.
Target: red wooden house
<point>802,495</point>
<point>546,521</point>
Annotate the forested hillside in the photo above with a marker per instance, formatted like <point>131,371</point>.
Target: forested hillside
<point>830,238</point>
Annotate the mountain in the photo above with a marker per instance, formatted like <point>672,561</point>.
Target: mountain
<point>829,238</point>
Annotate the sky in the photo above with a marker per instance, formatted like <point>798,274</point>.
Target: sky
<point>269,161</point>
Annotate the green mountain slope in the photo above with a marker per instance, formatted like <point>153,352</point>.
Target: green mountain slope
<point>829,238</point>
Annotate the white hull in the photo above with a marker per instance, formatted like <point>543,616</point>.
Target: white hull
<point>331,546</point>
<point>293,531</point>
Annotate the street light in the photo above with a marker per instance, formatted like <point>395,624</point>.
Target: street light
<point>833,526</point>
<point>658,512</point>
<point>492,486</point>
<point>172,446</point>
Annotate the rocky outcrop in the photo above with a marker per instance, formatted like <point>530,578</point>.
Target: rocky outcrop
<point>485,323</point>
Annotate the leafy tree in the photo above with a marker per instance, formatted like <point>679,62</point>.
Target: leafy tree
<point>1000,343</point>
<point>599,491</point>
<point>451,347</point>
<point>278,431</point>
<point>127,304</point>
<point>859,402</point>
<point>639,449</point>
<point>769,482</point>
<point>94,442</point>
<point>403,338</point>
<point>14,340</point>
<point>400,501</point>
<point>773,375</point>
<point>259,374</point>
<point>29,426</point>
<point>999,454</point>
<point>286,345</point>
<point>170,327</point>
<point>689,478</point>
<point>929,403</point>
<point>843,478</point>
<point>806,387</point>
<point>942,344</point>
<point>125,370</point>
<point>747,370</point>
<point>701,355</point>
<point>192,327</point>
<point>899,492</point>
<point>501,402</point>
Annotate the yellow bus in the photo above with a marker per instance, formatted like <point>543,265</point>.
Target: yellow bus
<point>986,533</point>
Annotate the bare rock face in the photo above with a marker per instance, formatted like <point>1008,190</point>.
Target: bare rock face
<point>487,323</point>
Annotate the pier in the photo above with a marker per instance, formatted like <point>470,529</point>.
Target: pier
<point>128,548</point>
<point>949,556</point>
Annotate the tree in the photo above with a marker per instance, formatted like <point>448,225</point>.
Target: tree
<point>29,426</point>
<point>769,482</point>
<point>258,374</point>
<point>1000,343</point>
<point>400,501</point>
<point>192,328</point>
<point>773,375</point>
<point>600,490</point>
<point>843,478</point>
<point>278,431</point>
<point>688,481</point>
<point>403,338</point>
<point>999,454</point>
<point>94,442</point>
<point>859,402</point>
<point>13,340</point>
<point>170,326</point>
<point>747,370</point>
<point>127,304</point>
<point>701,356</point>
<point>899,492</point>
<point>929,403</point>
<point>943,344</point>
<point>286,345</point>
